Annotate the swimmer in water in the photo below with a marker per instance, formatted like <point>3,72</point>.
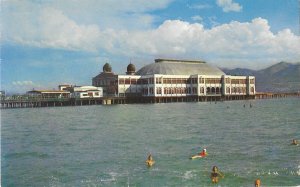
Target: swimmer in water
<point>257,183</point>
<point>150,161</point>
<point>295,142</point>
<point>203,153</point>
<point>215,174</point>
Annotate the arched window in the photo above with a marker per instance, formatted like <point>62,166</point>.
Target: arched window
<point>208,90</point>
<point>234,89</point>
<point>227,90</point>
<point>201,90</point>
<point>217,90</point>
<point>213,90</point>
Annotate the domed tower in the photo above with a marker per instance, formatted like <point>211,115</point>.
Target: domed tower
<point>130,69</point>
<point>106,80</point>
<point>107,68</point>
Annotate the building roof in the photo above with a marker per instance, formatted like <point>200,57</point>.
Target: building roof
<point>105,75</point>
<point>107,68</point>
<point>130,69</point>
<point>179,67</point>
<point>48,91</point>
<point>86,88</point>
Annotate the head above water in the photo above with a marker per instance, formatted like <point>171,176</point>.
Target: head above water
<point>257,183</point>
<point>215,169</point>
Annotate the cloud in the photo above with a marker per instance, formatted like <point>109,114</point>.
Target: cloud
<point>75,25</point>
<point>249,43</point>
<point>105,13</point>
<point>22,83</point>
<point>21,86</point>
<point>50,29</point>
<point>199,6</point>
<point>197,18</point>
<point>228,6</point>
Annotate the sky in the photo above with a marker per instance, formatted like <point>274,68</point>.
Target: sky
<point>45,43</point>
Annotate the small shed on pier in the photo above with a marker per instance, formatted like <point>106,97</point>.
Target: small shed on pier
<point>49,93</point>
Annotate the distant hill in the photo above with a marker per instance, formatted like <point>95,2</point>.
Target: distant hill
<point>281,77</point>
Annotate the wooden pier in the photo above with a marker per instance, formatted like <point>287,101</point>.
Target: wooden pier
<point>269,95</point>
<point>33,102</point>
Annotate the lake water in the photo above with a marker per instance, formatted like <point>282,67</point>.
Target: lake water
<point>108,145</point>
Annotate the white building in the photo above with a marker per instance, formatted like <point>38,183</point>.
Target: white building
<point>175,78</point>
<point>49,93</point>
<point>87,92</point>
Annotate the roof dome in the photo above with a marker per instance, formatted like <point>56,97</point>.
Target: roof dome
<point>106,68</point>
<point>130,69</point>
<point>179,67</point>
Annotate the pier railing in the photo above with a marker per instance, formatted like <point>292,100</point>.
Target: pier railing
<point>270,95</point>
<point>25,101</point>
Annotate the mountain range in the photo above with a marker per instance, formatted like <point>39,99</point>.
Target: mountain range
<point>281,77</point>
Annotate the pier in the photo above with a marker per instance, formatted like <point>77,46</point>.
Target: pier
<point>269,95</point>
<point>33,102</point>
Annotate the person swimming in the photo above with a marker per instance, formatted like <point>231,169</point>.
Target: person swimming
<point>215,174</point>
<point>150,161</point>
<point>203,153</point>
<point>295,142</point>
<point>257,183</point>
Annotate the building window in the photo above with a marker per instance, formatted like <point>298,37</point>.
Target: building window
<point>194,80</point>
<point>213,81</point>
<point>202,90</point>
<point>165,90</point>
<point>158,90</point>
<point>238,81</point>
<point>127,81</point>
<point>133,81</point>
<point>194,90</point>
<point>234,81</point>
<point>145,91</point>
<point>151,90</point>
<point>201,80</point>
<point>213,90</point>
<point>151,80</point>
<point>227,89</point>
<point>234,89</point>
<point>189,90</point>
<point>208,90</point>
<point>167,81</point>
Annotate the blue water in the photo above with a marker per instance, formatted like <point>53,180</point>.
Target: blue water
<point>108,145</point>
